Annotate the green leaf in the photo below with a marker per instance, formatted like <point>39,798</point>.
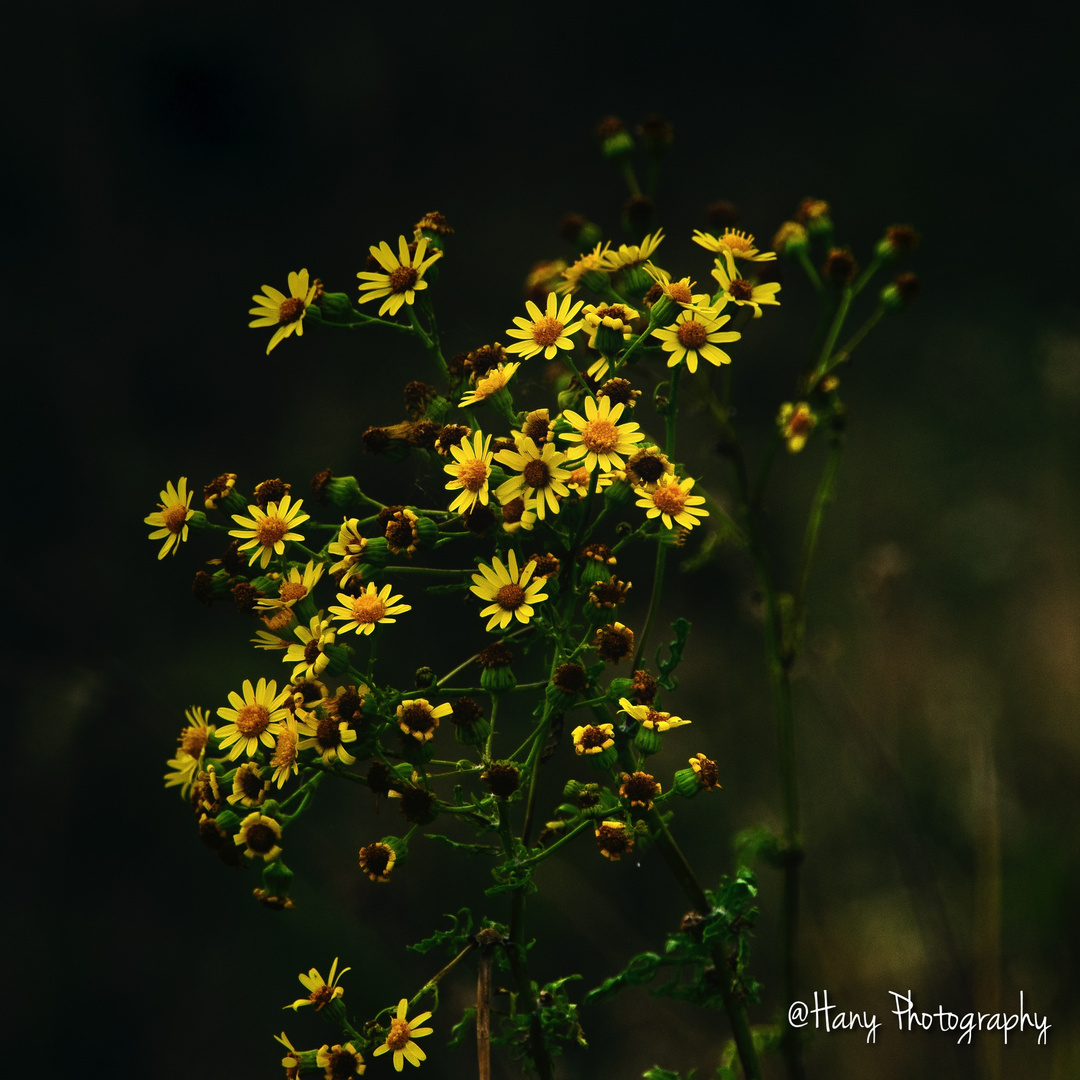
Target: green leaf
<point>675,651</point>
<point>469,849</point>
<point>641,969</point>
<point>456,936</point>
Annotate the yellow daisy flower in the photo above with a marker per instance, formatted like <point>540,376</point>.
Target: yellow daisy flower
<point>320,991</point>
<point>254,718</point>
<point>592,262</point>
<point>284,758</point>
<point>740,244</point>
<point>694,335</point>
<point>739,290</point>
<point>361,613</point>
<point>328,734</point>
<point>260,836</point>
<point>403,277</point>
<point>593,738</point>
<point>681,291</point>
<point>377,860</point>
<point>796,422</point>
<point>490,384</point>
<point>419,718</point>
<point>471,471</point>
<point>293,588</point>
<point>672,502</point>
<point>401,1038</point>
<point>706,771</point>
<point>510,590</point>
<point>349,549</point>
<point>248,786</point>
<point>193,741</point>
<point>541,481</point>
<point>269,529</point>
<point>633,254</point>
<point>284,312</point>
<point>580,479</point>
<point>614,840</point>
<point>171,520</point>
<point>291,1061</point>
<point>650,718</point>
<point>339,1061</point>
<point>546,332</point>
<point>600,440</point>
<point>308,654</point>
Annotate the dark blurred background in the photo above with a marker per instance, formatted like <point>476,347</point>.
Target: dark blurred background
<point>163,162</point>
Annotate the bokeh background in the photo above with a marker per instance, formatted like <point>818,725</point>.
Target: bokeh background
<point>163,162</point>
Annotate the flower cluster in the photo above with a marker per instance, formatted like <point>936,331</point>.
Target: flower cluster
<point>506,572</point>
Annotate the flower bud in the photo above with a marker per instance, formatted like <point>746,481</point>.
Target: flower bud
<point>901,292</point>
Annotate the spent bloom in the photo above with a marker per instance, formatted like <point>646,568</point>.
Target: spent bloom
<point>796,422</point>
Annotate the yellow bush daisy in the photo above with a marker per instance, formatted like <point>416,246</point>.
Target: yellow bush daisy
<point>600,439</point>
<point>651,718</point>
<point>253,718</point>
<point>260,837</point>
<point>339,1061</point>
<point>267,530</point>
<point>193,741</point>
<point>285,312</point>
<point>592,262</point>
<point>593,738</point>
<point>328,735</point>
<point>320,991</point>
<point>308,654</point>
<point>739,290</point>
<point>632,254</point>
<point>171,520</point>
<point>695,335</point>
<point>672,502</point>
<point>284,758</point>
<point>419,718</point>
<point>471,471</point>
<point>490,384</point>
<point>546,332</point>
<point>403,275</point>
<point>349,548</point>
<point>796,422</point>
<point>361,613</point>
<point>740,244</point>
<point>293,588</point>
<point>510,591</point>
<point>401,1038</point>
<point>541,479</point>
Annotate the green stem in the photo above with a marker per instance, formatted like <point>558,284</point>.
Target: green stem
<point>845,351</point>
<point>837,325</point>
<point>580,827</point>
<point>822,497</point>
<point>430,345</point>
<point>654,603</point>
<point>735,1009</point>
<point>811,273</point>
